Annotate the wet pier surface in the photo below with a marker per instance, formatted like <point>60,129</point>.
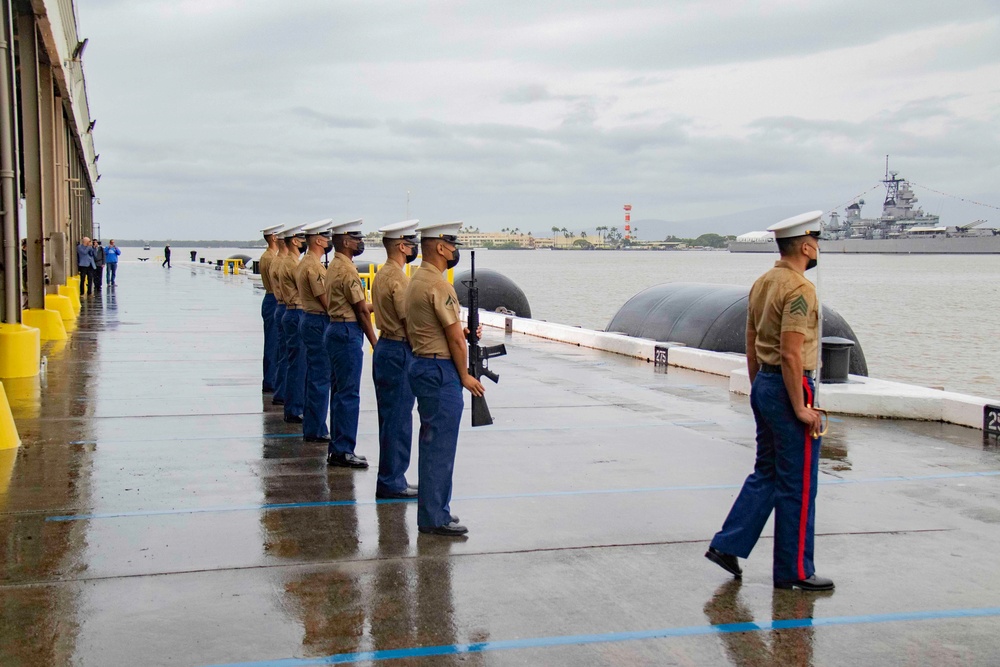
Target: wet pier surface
<point>160,512</point>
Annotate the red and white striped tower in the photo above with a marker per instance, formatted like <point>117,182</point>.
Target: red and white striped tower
<point>628,224</point>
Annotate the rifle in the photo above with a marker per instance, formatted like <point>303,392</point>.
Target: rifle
<point>479,355</point>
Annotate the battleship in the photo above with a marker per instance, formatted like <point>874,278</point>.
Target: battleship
<point>903,228</point>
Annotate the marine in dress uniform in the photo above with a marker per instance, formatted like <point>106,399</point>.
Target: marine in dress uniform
<point>350,322</point>
<point>273,272</point>
<point>391,362</point>
<point>267,306</point>
<point>310,278</point>
<point>782,344</point>
<point>437,374</point>
<point>295,357</point>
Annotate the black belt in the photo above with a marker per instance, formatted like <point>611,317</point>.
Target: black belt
<point>398,339</point>
<point>433,356</point>
<point>343,319</point>
<point>291,307</point>
<point>771,368</point>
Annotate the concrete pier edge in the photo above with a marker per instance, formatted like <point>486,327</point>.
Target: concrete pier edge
<point>862,396</point>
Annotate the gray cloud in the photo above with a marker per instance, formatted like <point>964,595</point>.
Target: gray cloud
<point>215,120</point>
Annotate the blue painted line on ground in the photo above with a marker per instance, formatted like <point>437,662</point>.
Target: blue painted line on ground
<point>499,496</point>
<point>265,436</point>
<point>613,637</point>
<point>255,436</point>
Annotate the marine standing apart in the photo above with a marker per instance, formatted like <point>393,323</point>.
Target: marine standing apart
<point>781,343</point>
<point>295,358</point>
<point>272,271</point>
<point>350,323</point>
<point>391,362</point>
<point>267,306</point>
<point>310,278</point>
<point>437,374</point>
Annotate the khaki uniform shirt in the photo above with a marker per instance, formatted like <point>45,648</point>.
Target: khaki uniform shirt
<point>272,275</point>
<point>286,278</point>
<point>389,299</point>
<point>783,300</point>
<point>263,266</point>
<point>343,288</point>
<point>431,305</point>
<point>310,280</point>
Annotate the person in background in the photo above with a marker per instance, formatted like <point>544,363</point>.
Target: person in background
<point>166,256</point>
<point>111,254</point>
<point>85,262</point>
<point>98,264</point>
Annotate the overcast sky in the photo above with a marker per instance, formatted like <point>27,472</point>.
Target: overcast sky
<point>216,117</point>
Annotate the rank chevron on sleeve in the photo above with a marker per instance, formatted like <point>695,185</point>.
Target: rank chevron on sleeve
<point>799,306</point>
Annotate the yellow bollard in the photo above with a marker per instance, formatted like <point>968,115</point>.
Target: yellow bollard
<point>73,293</point>
<point>62,305</point>
<point>20,351</point>
<point>48,321</point>
<point>8,434</point>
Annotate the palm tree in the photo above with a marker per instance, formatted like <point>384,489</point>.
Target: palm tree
<point>555,230</point>
<point>583,233</point>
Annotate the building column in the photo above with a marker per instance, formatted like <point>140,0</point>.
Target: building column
<point>27,38</point>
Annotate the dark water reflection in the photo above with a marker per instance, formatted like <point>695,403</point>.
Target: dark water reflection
<point>792,647</point>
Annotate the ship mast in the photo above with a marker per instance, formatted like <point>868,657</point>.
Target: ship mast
<point>892,182</point>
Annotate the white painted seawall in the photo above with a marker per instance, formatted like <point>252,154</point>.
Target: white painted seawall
<point>862,396</point>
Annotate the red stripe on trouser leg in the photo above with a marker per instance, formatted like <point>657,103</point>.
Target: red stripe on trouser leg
<point>806,479</point>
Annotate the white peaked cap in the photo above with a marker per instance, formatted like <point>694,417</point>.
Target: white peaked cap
<point>321,227</point>
<point>400,230</point>
<point>446,231</point>
<point>274,229</point>
<point>798,225</point>
<point>350,227</point>
<point>292,230</point>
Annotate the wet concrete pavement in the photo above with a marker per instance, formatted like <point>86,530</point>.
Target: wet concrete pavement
<point>161,512</point>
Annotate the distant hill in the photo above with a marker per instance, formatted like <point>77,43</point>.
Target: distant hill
<point>651,229</point>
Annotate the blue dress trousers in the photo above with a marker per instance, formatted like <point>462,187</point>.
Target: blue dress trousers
<point>317,379</point>
<point>390,371</point>
<point>295,359</point>
<point>344,342</point>
<point>438,389</point>
<point>270,375</point>
<point>281,368</point>
<point>784,480</point>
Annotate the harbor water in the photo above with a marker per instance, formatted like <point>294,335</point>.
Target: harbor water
<point>930,320</point>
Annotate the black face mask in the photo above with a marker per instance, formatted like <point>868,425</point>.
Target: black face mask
<point>302,249</point>
<point>411,254</point>
<point>811,264</point>
<point>453,262</point>
<point>361,248</point>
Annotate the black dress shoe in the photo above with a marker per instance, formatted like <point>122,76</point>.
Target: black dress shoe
<point>277,401</point>
<point>727,562</point>
<point>293,419</point>
<point>405,494</point>
<point>453,529</point>
<point>346,461</point>
<point>316,438</point>
<point>813,583</point>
